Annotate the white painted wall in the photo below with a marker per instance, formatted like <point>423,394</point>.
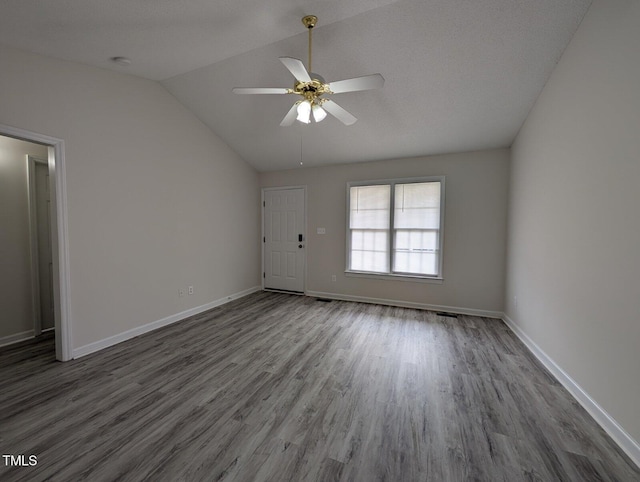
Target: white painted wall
<point>16,309</point>
<point>474,233</point>
<point>574,222</point>
<point>156,201</point>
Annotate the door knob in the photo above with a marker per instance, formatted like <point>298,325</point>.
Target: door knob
<point>299,246</point>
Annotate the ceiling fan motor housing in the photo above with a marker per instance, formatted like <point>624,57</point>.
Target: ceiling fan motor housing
<point>311,91</point>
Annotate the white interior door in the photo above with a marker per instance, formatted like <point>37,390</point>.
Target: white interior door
<point>284,239</point>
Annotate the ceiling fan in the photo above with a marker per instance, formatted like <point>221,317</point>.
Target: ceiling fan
<point>312,87</point>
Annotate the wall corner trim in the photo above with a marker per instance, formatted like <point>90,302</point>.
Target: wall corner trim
<point>630,446</point>
<point>407,304</point>
<point>154,325</point>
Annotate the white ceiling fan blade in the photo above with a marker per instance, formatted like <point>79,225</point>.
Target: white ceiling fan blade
<point>290,118</point>
<point>373,81</point>
<point>260,90</point>
<point>338,112</point>
<point>297,68</point>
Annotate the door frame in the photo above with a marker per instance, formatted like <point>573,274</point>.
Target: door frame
<point>59,234</point>
<point>306,239</point>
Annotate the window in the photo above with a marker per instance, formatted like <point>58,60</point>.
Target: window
<point>395,227</point>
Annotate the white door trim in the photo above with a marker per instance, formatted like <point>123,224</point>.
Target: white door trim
<point>262,233</point>
<point>59,235</point>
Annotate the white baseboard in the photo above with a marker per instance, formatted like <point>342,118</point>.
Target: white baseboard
<point>606,421</point>
<point>407,304</point>
<point>154,325</point>
<point>15,338</point>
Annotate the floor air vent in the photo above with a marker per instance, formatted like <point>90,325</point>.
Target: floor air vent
<point>449,315</point>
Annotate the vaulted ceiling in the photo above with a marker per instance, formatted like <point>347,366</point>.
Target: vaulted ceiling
<point>460,74</point>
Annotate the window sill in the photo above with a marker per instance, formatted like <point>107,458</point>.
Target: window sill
<point>395,277</point>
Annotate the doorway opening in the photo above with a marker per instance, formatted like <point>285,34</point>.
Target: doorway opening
<point>36,228</point>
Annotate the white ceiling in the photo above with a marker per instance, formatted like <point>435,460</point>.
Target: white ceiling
<point>460,74</point>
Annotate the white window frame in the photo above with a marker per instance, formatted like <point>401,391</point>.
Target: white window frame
<point>391,275</point>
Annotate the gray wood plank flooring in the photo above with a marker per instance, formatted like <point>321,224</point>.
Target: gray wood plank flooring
<point>275,387</point>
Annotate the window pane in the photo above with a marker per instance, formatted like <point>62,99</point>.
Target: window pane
<point>416,263</point>
<point>417,205</point>
<point>416,251</point>
<point>416,240</point>
<point>369,250</point>
<point>370,207</point>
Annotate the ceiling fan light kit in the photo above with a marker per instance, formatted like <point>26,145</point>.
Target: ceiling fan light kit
<point>304,112</point>
<point>312,87</point>
<point>318,113</point>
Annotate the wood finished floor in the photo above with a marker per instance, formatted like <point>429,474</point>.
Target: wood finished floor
<point>274,387</point>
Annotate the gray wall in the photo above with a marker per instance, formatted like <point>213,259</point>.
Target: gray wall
<point>156,201</point>
<point>474,234</point>
<point>16,308</point>
<point>574,223</point>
